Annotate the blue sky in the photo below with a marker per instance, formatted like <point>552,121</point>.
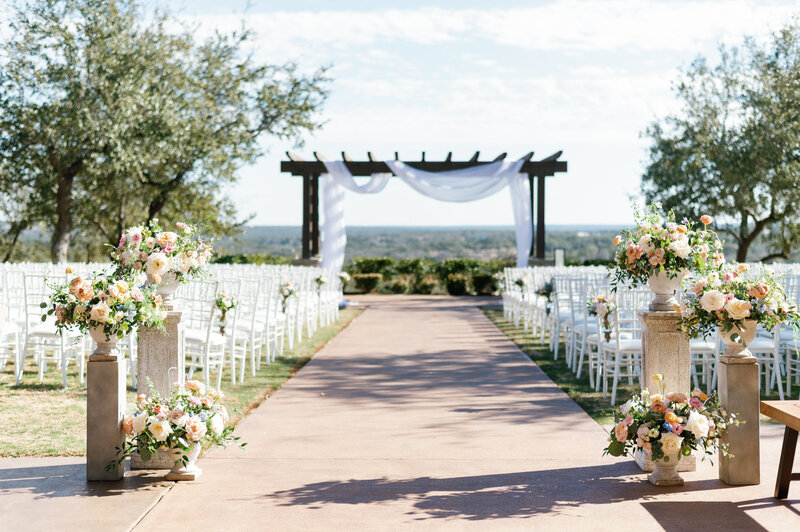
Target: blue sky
<point>578,76</point>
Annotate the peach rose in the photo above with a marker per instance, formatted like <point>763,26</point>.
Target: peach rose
<point>658,406</point>
<point>621,431</point>
<point>195,429</point>
<point>758,291</point>
<point>738,309</point>
<point>127,425</point>
<point>166,239</point>
<point>706,219</point>
<point>676,398</point>
<point>616,241</point>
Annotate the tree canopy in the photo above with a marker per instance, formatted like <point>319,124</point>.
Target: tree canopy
<point>109,116</point>
<point>733,150</point>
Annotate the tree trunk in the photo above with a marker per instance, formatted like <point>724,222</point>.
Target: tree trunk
<point>16,231</point>
<point>63,228</point>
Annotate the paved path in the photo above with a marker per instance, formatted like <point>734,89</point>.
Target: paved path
<point>423,415</point>
<point>420,415</point>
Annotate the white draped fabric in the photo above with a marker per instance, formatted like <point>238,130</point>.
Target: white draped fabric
<point>469,184</point>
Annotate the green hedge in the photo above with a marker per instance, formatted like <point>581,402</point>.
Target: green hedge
<point>426,276</point>
<point>252,258</point>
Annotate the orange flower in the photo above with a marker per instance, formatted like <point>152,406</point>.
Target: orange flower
<point>617,240</point>
<point>681,229</point>
<point>706,219</point>
<point>671,418</point>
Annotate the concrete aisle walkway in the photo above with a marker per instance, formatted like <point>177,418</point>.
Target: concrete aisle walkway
<point>423,415</point>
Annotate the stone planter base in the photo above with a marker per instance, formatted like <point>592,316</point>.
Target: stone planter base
<point>188,473</point>
<point>161,460</point>
<point>685,464</point>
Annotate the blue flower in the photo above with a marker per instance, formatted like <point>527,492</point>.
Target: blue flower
<point>667,427</point>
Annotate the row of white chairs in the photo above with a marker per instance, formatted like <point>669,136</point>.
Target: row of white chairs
<point>255,331</point>
<point>564,318</point>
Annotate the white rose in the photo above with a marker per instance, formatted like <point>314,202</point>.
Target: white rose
<point>681,248</point>
<point>216,424</point>
<point>712,300</point>
<point>645,243</point>
<point>697,424</point>
<point>671,443</point>
<point>184,262</point>
<point>139,423</point>
<point>160,429</point>
<point>738,309</point>
<point>101,313</point>
<point>601,309</point>
<point>157,263</point>
<point>626,406</point>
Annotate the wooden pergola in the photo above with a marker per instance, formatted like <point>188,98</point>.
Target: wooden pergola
<point>311,170</point>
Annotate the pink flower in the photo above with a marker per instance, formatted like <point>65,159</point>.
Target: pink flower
<point>647,447</point>
<point>194,401</point>
<point>696,403</point>
<point>180,225</point>
<point>643,431</point>
<point>137,295</point>
<point>672,226</point>
<point>136,237</point>
<point>677,428</point>
<point>621,431</point>
<point>168,249</point>
<point>676,397</point>
<point>629,420</point>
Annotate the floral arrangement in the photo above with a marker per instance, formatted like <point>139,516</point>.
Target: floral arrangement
<point>669,424</point>
<point>224,303</point>
<point>521,282</point>
<point>662,245</point>
<point>286,290</point>
<point>192,415</point>
<point>163,255</point>
<point>726,297</point>
<point>114,303</point>
<point>321,280</point>
<point>344,278</point>
<point>602,307</point>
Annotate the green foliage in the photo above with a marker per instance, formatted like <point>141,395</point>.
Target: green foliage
<point>485,284</point>
<point>426,285</point>
<point>118,117</point>
<point>731,151</point>
<point>399,286</point>
<point>367,282</point>
<point>457,284</point>
<point>466,267</point>
<point>252,258</point>
<point>382,265</point>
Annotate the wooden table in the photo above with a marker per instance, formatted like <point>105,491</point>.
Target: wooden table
<point>788,413</point>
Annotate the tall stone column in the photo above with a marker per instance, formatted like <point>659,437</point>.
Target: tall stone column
<point>105,407</point>
<point>160,360</point>
<point>738,394</point>
<point>665,351</point>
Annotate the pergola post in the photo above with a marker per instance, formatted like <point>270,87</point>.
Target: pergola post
<point>310,216</point>
<point>533,218</point>
<point>540,243</point>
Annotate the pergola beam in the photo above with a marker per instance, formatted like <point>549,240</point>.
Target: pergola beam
<point>310,171</point>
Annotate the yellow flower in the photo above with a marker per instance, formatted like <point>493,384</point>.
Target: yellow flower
<point>68,270</point>
<point>658,377</point>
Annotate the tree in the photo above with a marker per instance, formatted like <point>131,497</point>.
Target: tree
<point>734,148</point>
<point>108,118</point>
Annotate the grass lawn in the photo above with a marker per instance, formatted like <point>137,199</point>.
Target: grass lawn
<point>592,402</point>
<point>42,419</point>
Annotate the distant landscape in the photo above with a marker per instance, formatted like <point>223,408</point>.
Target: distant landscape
<point>580,242</point>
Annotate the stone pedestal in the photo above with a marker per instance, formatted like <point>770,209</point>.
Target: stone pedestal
<point>665,351</point>
<point>738,393</point>
<point>105,407</point>
<point>160,361</point>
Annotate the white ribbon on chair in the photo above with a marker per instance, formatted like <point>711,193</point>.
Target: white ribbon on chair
<point>469,184</point>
